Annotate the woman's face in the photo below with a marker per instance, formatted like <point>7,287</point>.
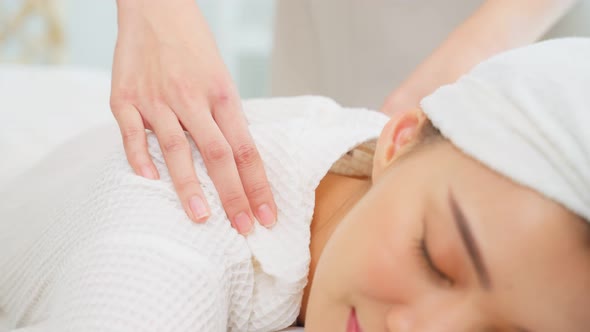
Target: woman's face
<point>441,243</point>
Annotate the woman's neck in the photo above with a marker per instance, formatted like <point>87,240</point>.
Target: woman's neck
<point>334,197</point>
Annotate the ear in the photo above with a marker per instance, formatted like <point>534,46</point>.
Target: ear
<point>398,135</point>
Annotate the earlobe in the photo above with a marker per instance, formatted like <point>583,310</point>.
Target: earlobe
<point>399,133</point>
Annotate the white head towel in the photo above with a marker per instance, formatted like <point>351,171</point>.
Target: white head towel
<point>526,114</point>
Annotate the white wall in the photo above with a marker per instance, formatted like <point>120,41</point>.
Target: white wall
<point>90,32</point>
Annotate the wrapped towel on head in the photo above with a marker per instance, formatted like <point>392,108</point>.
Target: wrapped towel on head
<point>526,114</point>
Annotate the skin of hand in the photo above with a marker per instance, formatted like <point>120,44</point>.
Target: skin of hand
<point>168,77</point>
<point>497,26</point>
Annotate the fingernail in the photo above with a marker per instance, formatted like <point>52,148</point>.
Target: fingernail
<point>243,223</point>
<point>148,172</point>
<point>198,208</point>
<point>265,216</point>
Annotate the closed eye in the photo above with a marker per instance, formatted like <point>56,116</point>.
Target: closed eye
<point>429,263</point>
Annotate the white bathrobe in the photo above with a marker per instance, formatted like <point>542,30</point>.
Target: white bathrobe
<point>86,245</point>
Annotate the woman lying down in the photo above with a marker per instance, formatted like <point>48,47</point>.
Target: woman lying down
<point>468,215</point>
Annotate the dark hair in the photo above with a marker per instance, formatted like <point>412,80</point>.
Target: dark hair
<point>587,233</point>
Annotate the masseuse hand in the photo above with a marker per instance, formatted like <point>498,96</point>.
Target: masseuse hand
<point>168,76</point>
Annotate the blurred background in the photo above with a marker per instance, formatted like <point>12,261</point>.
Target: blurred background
<point>83,33</point>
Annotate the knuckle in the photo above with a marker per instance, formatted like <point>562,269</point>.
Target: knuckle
<point>221,94</point>
<point>174,143</point>
<point>182,87</point>
<point>118,102</point>
<point>232,199</point>
<point>216,151</point>
<point>154,101</point>
<point>116,105</point>
<point>123,94</point>
<point>246,155</point>
<point>258,189</point>
<point>132,135</point>
<point>187,183</point>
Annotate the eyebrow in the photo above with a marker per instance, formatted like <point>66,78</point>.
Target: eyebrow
<point>472,248</point>
<point>470,244</point>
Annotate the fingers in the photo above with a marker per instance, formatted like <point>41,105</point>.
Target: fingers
<point>218,157</point>
<point>176,150</point>
<point>230,118</point>
<point>135,140</point>
<point>228,150</point>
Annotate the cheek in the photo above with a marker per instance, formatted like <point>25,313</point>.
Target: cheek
<point>372,256</point>
<point>355,260</point>
<point>389,272</point>
<point>387,268</point>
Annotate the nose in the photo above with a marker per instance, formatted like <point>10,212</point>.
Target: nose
<point>400,320</point>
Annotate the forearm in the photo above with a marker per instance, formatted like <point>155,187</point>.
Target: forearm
<point>497,26</point>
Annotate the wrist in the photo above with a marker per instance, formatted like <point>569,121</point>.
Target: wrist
<point>153,10</point>
<point>125,6</point>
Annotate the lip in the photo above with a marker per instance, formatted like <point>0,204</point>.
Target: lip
<point>353,323</point>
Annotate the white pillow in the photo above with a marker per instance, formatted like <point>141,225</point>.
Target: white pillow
<point>42,106</point>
